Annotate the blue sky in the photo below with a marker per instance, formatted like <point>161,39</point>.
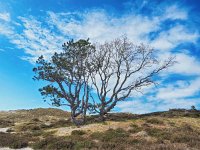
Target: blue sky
<point>30,28</point>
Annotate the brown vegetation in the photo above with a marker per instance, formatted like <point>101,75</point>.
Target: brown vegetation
<point>172,130</point>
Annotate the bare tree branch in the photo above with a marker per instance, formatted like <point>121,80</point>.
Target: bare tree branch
<point>122,68</point>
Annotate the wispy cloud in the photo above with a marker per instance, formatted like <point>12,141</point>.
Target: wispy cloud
<point>45,37</point>
<point>169,39</point>
<point>5,17</point>
<point>2,50</point>
<point>186,65</point>
<point>179,90</point>
<point>100,26</point>
<point>176,94</point>
<point>174,12</point>
<point>37,40</point>
<point>140,106</point>
<point>5,26</point>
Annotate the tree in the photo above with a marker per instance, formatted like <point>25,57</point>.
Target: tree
<point>121,68</point>
<point>67,77</point>
<point>193,108</point>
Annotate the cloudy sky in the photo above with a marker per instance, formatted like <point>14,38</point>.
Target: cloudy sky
<point>30,28</point>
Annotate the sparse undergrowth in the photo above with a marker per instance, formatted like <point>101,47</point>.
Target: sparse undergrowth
<point>6,123</point>
<point>154,121</point>
<point>147,132</point>
<point>119,139</point>
<point>12,140</point>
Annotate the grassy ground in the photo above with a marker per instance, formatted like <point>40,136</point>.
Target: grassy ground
<point>51,129</point>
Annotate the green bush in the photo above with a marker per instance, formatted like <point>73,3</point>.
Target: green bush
<point>54,143</point>
<point>186,134</point>
<point>160,134</point>
<point>154,121</point>
<point>19,144</point>
<point>12,140</point>
<point>61,123</point>
<point>134,128</point>
<point>110,135</point>
<point>5,123</point>
<point>85,144</point>
<point>28,127</point>
<point>35,120</point>
<point>63,143</point>
<point>78,132</point>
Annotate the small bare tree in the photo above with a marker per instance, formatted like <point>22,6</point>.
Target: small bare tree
<point>121,68</point>
<point>68,77</point>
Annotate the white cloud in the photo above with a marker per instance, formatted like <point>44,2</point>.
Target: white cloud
<point>36,40</point>
<point>167,40</point>
<point>176,94</point>
<point>5,26</point>
<point>5,30</point>
<point>5,17</point>
<point>186,65</point>
<point>99,26</point>
<point>136,106</point>
<point>44,38</point>
<point>140,106</point>
<point>2,50</point>
<point>173,13</point>
<point>179,90</point>
<point>177,103</point>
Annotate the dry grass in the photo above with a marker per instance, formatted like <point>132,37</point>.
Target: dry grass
<point>12,140</point>
<point>157,131</point>
<point>27,115</point>
<point>94,127</point>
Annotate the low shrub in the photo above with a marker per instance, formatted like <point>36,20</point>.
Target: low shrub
<point>155,121</point>
<point>28,127</point>
<point>12,140</point>
<point>85,144</point>
<point>186,134</point>
<point>55,143</point>
<point>168,146</point>
<point>5,123</point>
<point>134,128</point>
<point>61,123</point>
<point>160,134</point>
<point>110,135</point>
<point>49,133</point>
<point>78,132</point>
<point>63,143</point>
<point>35,120</point>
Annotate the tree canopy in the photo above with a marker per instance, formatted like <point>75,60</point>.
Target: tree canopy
<point>67,76</point>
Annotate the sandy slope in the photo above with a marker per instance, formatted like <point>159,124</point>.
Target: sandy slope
<point>3,130</point>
